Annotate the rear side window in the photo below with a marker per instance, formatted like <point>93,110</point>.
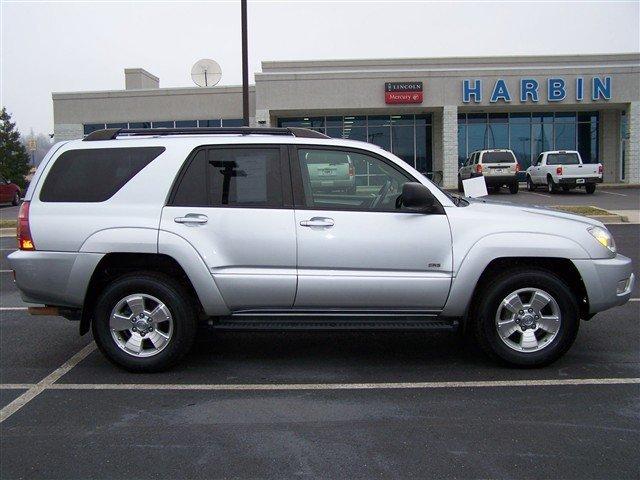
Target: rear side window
<point>232,177</point>
<point>498,157</point>
<point>94,175</point>
<point>563,159</point>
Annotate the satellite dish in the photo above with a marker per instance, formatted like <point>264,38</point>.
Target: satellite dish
<point>206,73</point>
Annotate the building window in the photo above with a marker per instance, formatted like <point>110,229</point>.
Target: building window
<point>407,136</point>
<point>186,123</point>
<point>529,134</point>
<point>166,124</point>
<point>92,127</point>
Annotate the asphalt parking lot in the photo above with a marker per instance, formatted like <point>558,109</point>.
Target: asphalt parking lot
<point>320,405</point>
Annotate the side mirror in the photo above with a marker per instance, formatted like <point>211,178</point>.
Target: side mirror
<point>416,196</point>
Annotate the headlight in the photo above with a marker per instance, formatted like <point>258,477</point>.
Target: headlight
<point>603,236</point>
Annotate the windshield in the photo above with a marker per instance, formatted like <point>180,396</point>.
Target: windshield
<point>563,159</point>
<point>498,157</point>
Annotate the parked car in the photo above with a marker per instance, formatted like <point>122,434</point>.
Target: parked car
<point>498,167</point>
<point>9,192</point>
<point>563,169</point>
<point>142,236</point>
<point>333,171</point>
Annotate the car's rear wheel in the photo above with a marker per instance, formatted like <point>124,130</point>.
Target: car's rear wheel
<point>590,188</point>
<point>526,318</point>
<point>16,199</point>
<point>514,187</point>
<point>566,188</point>
<point>551,185</point>
<point>144,322</point>
<point>530,185</point>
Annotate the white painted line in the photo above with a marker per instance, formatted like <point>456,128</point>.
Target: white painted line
<point>16,386</point>
<point>540,194</point>
<point>8,249</point>
<point>6,271</point>
<point>612,193</point>
<point>13,309</point>
<point>45,383</point>
<point>634,299</point>
<point>344,386</point>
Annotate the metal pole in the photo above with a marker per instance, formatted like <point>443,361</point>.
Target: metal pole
<point>245,66</point>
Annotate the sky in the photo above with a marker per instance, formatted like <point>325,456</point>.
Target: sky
<point>67,46</point>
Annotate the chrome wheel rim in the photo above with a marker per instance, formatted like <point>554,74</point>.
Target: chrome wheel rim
<point>141,325</point>
<point>528,320</point>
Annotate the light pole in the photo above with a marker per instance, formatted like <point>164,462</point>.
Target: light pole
<point>245,67</point>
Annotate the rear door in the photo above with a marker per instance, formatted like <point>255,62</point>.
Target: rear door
<point>234,205</point>
<point>362,251</point>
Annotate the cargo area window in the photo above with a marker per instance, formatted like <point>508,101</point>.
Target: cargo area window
<point>94,175</point>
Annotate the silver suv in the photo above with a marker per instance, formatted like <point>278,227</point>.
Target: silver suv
<point>140,235</point>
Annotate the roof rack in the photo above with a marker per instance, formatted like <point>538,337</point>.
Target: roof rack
<point>113,133</point>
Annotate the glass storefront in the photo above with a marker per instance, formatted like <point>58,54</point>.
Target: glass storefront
<point>407,136</point>
<point>528,134</point>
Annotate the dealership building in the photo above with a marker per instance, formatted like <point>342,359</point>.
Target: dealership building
<point>431,112</point>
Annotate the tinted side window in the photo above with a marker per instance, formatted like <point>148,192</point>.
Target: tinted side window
<point>94,175</point>
<point>192,189</point>
<point>245,177</point>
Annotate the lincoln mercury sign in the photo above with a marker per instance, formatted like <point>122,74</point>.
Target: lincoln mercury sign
<point>599,89</point>
<point>403,92</point>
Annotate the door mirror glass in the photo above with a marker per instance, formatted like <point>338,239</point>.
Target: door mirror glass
<point>416,196</point>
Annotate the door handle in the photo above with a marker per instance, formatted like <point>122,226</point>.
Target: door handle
<point>318,222</point>
<point>192,219</point>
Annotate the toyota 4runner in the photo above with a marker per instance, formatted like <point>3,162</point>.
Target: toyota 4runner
<point>142,234</point>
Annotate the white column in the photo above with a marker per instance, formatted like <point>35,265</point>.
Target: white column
<point>632,152</point>
<point>450,146</point>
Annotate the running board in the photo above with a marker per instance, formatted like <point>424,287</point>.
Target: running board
<point>332,323</point>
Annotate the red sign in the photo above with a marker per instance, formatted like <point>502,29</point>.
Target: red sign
<point>401,97</point>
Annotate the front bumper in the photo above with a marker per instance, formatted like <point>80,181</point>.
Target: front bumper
<point>574,181</point>
<point>53,278</point>
<point>603,278</point>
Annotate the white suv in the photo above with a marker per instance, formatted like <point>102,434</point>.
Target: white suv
<point>498,167</point>
<point>142,234</point>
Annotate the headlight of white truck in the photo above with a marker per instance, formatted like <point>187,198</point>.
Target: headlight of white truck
<point>603,237</point>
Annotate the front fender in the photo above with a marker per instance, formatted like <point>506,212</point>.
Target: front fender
<point>503,245</point>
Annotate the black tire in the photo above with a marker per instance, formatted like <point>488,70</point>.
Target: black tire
<point>530,185</point>
<point>460,187</point>
<point>15,200</point>
<point>514,187</point>
<point>551,185</point>
<point>566,188</point>
<point>483,319</point>
<point>590,188</point>
<point>177,299</point>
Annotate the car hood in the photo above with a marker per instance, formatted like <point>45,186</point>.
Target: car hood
<point>531,212</point>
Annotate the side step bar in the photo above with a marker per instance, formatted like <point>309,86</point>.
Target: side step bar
<point>333,323</point>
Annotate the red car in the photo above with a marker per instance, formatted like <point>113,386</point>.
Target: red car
<point>9,192</point>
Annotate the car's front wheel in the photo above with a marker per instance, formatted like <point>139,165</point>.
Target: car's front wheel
<point>16,199</point>
<point>514,187</point>
<point>526,318</point>
<point>144,322</point>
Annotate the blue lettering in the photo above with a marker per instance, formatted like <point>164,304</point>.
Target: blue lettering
<point>476,91</point>
<point>557,91</point>
<point>500,91</point>
<point>579,89</point>
<point>601,89</point>
<point>528,87</point>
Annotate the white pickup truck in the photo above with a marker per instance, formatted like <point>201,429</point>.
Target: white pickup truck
<point>563,169</point>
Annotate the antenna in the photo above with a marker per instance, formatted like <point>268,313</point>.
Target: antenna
<point>206,73</point>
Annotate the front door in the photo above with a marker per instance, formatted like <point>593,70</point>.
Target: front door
<point>234,206</point>
<point>357,249</point>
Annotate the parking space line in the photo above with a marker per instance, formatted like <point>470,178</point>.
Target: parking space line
<point>6,271</point>
<point>540,194</point>
<point>13,309</point>
<point>613,193</point>
<point>45,383</point>
<point>346,386</point>
<point>16,386</point>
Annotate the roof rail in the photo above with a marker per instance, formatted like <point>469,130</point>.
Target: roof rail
<point>113,133</point>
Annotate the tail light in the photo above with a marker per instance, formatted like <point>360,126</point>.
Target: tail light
<point>478,168</point>
<point>352,170</point>
<point>25,242</point>
<point>518,168</point>
<point>559,170</point>
<point>600,169</point>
